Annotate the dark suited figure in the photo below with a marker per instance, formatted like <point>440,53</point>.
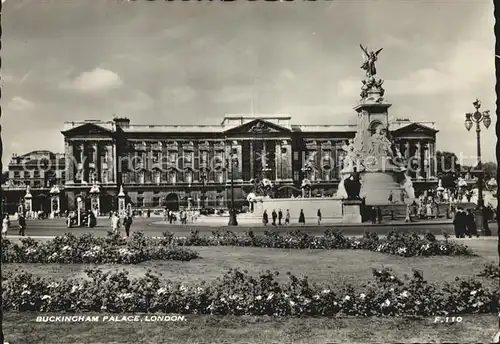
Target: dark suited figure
<point>302,217</point>
<point>459,223</point>
<point>22,225</point>
<point>127,223</point>
<point>265,218</point>
<point>374,215</point>
<point>280,217</point>
<point>275,216</point>
<point>379,215</point>
<point>470,224</point>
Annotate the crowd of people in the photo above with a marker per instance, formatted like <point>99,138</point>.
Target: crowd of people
<point>278,219</point>
<point>183,216</point>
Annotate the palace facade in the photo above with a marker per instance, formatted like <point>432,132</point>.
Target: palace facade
<point>176,165</point>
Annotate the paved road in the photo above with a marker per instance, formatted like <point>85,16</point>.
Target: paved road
<point>154,227</point>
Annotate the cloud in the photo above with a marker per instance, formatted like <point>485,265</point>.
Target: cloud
<point>466,66</point>
<point>178,95</point>
<point>97,80</point>
<point>20,104</point>
<point>288,74</point>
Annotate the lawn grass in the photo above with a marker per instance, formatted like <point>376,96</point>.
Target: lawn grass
<point>321,266</point>
<point>22,328</point>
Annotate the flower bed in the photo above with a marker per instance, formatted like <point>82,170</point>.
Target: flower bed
<point>89,249</point>
<point>402,244</point>
<point>237,293</point>
<point>490,271</point>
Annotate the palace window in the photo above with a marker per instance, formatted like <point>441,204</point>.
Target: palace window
<point>295,155</point>
<point>204,157</point>
<point>63,175</point>
<point>189,177</point>
<point>156,202</point>
<point>26,174</point>
<point>155,157</point>
<point>188,157</point>
<point>37,184</point>
<point>92,177</point>
<point>140,202</point>
<point>17,174</point>
<point>104,177</point>
<point>157,177</point>
<point>219,177</point>
<point>36,174</point>
<point>172,177</point>
<point>296,175</point>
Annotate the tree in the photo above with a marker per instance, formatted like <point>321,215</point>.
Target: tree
<point>5,177</point>
<point>490,170</point>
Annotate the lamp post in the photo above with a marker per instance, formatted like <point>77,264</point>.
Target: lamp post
<point>471,118</point>
<point>232,211</point>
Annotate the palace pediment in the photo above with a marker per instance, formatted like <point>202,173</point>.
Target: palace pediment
<point>415,130</point>
<point>258,126</point>
<point>88,130</point>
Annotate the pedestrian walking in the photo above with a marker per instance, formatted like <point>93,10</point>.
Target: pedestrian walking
<point>287,217</point>
<point>408,213</point>
<point>5,225</point>
<point>115,222</point>
<point>274,216</point>
<point>22,225</point>
<point>265,218</point>
<point>302,217</point>
<point>280,217</point>
<point>127,223</point>
<point>319,217</point>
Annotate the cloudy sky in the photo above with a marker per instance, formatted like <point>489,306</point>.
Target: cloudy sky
<point>192,62</point>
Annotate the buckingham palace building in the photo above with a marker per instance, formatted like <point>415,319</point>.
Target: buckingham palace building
<point>176,166</point>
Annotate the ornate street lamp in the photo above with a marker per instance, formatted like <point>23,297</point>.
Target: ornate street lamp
<point>470,118</point>
<point>232,161</point>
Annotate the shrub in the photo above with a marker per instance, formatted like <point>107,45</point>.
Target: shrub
<point>89,249</point>
<point>238,293</point>
<point>490,271</point>
<point>396,243</point>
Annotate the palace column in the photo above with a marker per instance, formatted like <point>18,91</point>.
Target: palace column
<point>252,172</point>
<point>82,162</point>
<point>239,156</point>
<point>70,161</point>
<point>418,156</point>
<point>114,162</point>
<point>96,162</point>
<point>286,160</point>
<point>433,163</point>
<point>427,163</point>
<point>277,160</point>
<point>406,153</point>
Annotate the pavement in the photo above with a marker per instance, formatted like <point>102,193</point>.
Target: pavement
<point>155,227</point>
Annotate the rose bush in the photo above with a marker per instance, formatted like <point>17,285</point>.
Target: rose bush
<point>402,244</point>
<point>89,249</point>
<point>238,293</point>
<point>490,271</point>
